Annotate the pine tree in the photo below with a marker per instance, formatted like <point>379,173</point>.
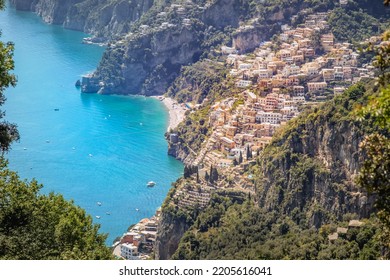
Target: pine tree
<point>186,172</point>
<point>215,175</point>
<point>206,176</point>
<point>248,153</point>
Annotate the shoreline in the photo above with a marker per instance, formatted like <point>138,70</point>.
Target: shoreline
<point>176,111</point>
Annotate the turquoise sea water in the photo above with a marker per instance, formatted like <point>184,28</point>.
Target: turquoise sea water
<point>94,148</point>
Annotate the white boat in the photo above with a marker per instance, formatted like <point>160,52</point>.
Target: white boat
<point>99,203</point>
<point>97,217</point>
<point>151,184</point>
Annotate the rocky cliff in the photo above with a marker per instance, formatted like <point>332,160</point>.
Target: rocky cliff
<point>307,174</point>
<point>152,39</point>
<point>311,167</point>
<point>165,39</point>
<point>170,231</point>
<point>103,19</point>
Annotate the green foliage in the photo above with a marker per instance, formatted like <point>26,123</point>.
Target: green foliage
<point>8,132</point>
<point>375,173</point>
<point>244,231</point>
<point>353,26</point>
<point>35,226</point>
<point>196,82</point>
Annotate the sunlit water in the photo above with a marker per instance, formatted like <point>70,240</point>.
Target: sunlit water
<point>88,147</point>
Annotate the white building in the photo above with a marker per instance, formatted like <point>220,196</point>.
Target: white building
<point>129,251</point>
<point>243,83</point>
<point>268,117</point>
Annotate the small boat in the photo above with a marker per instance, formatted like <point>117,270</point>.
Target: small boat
<point>97,217</point>
<point>151,184</point>
<point>108,213</point>
<point>99,203</point>
<point>136,209</point>
<point>56,109</point>
<point>47,141</point>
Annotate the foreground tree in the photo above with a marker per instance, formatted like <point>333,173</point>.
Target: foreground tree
<point>35,226</point>
<point>8,132</point>
<point>375,173</point>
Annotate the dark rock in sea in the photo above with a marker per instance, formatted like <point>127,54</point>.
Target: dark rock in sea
<point>89,84</point>
<point>78,83</point>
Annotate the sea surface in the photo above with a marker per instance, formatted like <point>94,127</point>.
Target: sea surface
<point>91,148</point>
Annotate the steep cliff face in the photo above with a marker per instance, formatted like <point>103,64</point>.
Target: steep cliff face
<point>171,229</point>
<point>147,63</point>
<point>311,167</point>
<point>180,152</point>
<point>103,19</point>
<point>313,171</point>
<point>155,50</point>
<point>305,176</point>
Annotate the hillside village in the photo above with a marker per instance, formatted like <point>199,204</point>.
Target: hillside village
<point>277,85</point>
<point>301,67</point>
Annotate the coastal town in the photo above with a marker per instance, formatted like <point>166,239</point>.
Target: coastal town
<point>277,84</point>
<point>299,68</point>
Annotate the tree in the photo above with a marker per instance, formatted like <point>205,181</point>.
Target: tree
<point>187,172</point>
<point>248,153</point>
<point>8,132</point>
<point>375,172</point>
<point>214,175</point>
<point>211,178</point>
<point>206,176</point>
<point>35,226</point>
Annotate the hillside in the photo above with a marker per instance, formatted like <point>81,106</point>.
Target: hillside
<point>104,20</point>
<point>272,143</point>
<point>304,187</point>
<point>149,41</point>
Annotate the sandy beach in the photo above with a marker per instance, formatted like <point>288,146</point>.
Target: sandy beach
<point>176,111</point>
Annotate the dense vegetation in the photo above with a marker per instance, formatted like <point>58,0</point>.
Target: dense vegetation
<point>302,198</point>
<point>288,217</point>
<point>354,25</point>
<point>244,231</point>
<point>197,81</point>
<point>8,132</point>
<point>35,226</point>
<point>375,173</point>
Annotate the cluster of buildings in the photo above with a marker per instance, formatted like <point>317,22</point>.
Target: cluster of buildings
<point>306,60</point>
<point>139,241</point>
<point>306,66</point>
